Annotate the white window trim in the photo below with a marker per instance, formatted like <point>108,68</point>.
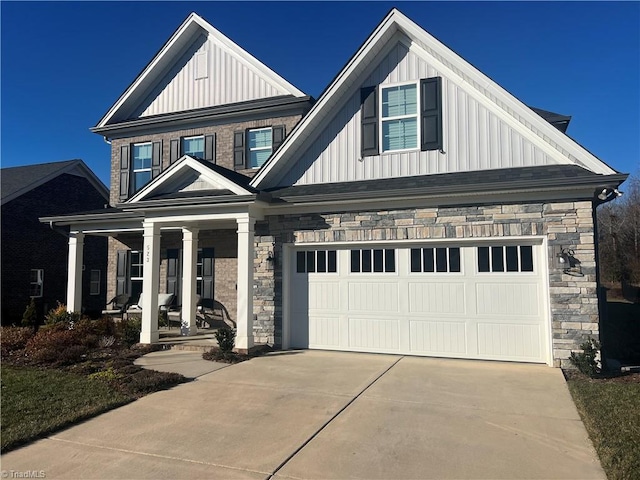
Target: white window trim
<point>382,119</point>
<point>39,282</point>
<point>192,137</point>
<point>139,170</point>
<point>131,264</point>
<point>257,149</point>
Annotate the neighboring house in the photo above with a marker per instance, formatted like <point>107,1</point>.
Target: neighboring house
<point>34,255</point>
<point>416,208</point>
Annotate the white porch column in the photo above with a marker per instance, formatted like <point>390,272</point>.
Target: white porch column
<point>244,334</point>
<point>189,274</point>
<point>150,283</point>
<point>74,280</point>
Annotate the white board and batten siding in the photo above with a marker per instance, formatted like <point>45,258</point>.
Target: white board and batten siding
<point>467,314</point>
<point>207,75</point>
<point>475,138</point>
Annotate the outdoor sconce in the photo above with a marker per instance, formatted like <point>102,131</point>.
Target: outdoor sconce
<point>271,257</point>
<point>569,263</point>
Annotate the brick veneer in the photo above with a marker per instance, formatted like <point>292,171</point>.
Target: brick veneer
<point>224,145</point>
<point>573,300</point>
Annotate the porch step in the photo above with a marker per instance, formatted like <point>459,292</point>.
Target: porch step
<point>192,346</point>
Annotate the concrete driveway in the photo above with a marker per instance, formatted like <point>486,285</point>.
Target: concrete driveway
<point>314,414</point>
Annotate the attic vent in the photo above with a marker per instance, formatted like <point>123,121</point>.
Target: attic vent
<point>201,65</point>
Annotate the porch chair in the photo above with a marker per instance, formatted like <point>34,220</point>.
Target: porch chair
<point>116,306</point>
<point>164,300</point>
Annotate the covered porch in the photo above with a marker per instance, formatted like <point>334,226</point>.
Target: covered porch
<point>189,226</point>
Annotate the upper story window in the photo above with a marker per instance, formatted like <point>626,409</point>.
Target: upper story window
<point>253,147</point>
<point>142,159</point>
<point>399,117</point>
<point>259,145</point>
<point>193,146</point>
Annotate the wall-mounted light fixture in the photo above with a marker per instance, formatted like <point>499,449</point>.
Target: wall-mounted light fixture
<point>271,257</point>
<point>607,194</point>
<point>568,262</point>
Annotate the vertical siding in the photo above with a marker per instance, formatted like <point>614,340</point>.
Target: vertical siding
<point>474,138</point>
<point>229,80</point>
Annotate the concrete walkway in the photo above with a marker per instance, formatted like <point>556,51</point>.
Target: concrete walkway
<point>313,414</point>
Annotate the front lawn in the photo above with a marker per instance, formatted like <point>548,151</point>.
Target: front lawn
<point>38,401</point>
<point>610,410</point>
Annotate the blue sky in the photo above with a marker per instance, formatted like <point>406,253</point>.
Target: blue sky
<point>63,64</point>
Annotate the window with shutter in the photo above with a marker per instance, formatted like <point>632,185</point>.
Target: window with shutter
<point>253,147</point>
<point>401,117</point>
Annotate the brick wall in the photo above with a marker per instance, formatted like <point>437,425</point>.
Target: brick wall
<point>224,145</point>
<point>573,300</point>
<point>28,244</point>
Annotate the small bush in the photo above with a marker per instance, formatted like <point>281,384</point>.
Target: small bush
<point>129,331</point>
<point>56,346</point>
<point>30,315</point>
<point>108,375</point>
<point>14,339</point>
<point>61,315</point>
<point>586,361</point>
<point>147,381</point>
<point>226,338</point>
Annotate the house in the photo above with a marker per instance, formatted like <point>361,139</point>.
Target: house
<point>34,255</point>
<point>417,207</point>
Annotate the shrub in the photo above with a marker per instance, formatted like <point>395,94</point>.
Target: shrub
<point>129,331</point>
<point>56,346</point>
<point>106,341</point>
<point>586,361</point>
<point>14,339</point>
<point>30,315</point>
<point>147,381</point>
<point>226,338</point>
<point>108,375</point>
<point>61,315</point>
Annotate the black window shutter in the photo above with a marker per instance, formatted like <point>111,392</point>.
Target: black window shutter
<point>208,276</point>
<point>369,121</point>
<point>124,172</point>
<point>238,149</point>
<point>210,148</point>
<point>121,272</point>
<point>277,136</point>
<point>156,159</point>
<point>175,150</point>
<point>431,113</point>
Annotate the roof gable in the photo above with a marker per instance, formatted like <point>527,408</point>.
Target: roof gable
<point>198,67</point>
<point>191,177</point>
<point>328,138</point>
<point>16,181</point>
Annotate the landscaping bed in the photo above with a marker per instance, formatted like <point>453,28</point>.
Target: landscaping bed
<point>68,371</point>
<point>610,410</point>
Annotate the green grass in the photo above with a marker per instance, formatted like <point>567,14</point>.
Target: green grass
<point>610,410</point>
<point>36,402</point>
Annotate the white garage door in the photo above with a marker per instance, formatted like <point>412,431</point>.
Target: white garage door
<point>458,300</point>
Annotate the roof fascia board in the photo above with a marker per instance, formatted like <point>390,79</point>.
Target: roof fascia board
<point>181,203</point>
<point>461,69</point>
<point>324,99</point>
<point>496,197</point>
<point>549,185</point>
<point>498,94</point>
<point>183,163</point>
<point>263,107</point>
<point>183,30</point>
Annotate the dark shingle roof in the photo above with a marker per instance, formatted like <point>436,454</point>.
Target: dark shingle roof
<point>15,179</point>
<point>561,122</point>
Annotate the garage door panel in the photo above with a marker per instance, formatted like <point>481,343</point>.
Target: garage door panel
<point>433,297</point>
<point>324,295</point>
<point>438,337</point>
<point>508,341</point>
<point>374,334</point>
<point>515,299</point>
<point>373,296</point>
<point>324,331</point>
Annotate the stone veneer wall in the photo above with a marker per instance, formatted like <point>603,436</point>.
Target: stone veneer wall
<point>573,300</point>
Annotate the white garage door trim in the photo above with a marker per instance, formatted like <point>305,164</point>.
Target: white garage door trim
<point>405,320</point>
